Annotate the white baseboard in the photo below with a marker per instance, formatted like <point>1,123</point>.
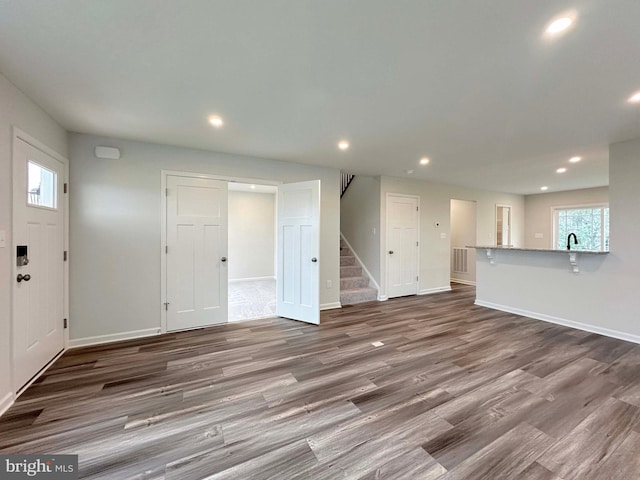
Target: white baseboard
<point>6,402</point>
<point>562,321</point>
<point>371,279</point>
<point>463,282</point>
<point>249,279</point>
<point>114,337</point>
<point>330,306</point>
<point>382,298</point>
<point>429,291</point>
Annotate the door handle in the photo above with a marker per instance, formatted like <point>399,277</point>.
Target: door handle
<point>390,252</point>
<point>223,259</point>
<point>21,277</point>
<point>314,259</point>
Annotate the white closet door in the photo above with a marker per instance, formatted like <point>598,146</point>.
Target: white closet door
<point>196,252</point>
<point>298,259</point>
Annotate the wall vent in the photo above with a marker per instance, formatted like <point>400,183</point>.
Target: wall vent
<point>459,260</point>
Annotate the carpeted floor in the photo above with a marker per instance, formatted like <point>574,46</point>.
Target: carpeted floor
<point>251,299</point>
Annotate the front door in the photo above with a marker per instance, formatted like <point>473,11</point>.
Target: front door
<point>38,262</point>
<point>196,252</point>
<point>402,245</point>
<point>298,258</point>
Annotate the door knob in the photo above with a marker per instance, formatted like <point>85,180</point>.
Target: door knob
<point>390,252</point>
<point>223,259</point>
<point>314,259</point>
<point>21,277</point>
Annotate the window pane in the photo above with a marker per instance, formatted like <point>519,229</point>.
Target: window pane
<point>606,229</point>
<point>41,186</point>
<point>587,224</point>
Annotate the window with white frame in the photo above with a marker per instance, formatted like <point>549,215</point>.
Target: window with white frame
<point>589,223</point>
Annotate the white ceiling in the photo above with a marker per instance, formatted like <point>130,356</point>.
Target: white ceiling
<point>471,84</point>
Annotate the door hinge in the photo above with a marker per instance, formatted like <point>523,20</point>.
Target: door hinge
<point>65,188</point>
<point>166,249</point>
<point>64,256</point>
<point>166,192</point>
<point>417,278</point>
<point>166,306</point>
<point>417,244</point>
<point>417,209</point>
<point>65,323</point>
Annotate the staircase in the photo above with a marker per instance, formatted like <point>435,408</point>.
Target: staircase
<point>354,287</point>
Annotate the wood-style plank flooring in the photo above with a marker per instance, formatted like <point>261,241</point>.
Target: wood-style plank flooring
<point>456,392</point>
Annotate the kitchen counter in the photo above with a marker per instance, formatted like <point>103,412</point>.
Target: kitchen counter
<point>573,254</point>
<point>547,250</point>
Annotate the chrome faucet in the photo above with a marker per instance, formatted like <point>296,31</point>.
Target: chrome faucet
<point>575,240</point>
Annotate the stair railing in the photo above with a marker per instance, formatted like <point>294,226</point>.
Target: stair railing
<point>345,181</point>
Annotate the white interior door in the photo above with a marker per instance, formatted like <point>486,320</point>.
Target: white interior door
<point>298,259</point>
<point>38,232</point>
<point>196,250</point>
<point>402,245</point>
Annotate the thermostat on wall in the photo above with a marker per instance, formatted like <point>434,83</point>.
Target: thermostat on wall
<point>112,153</point>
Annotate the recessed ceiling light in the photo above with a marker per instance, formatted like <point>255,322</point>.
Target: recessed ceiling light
<point>216,121</point>
<point>252,187</point>
<point>544,188</point>
<point>424,161</point>
<point>343,145</point>
<point>575,159</point>
<point>561,170</point>
<point>635,98</point>
<point>559,25</point>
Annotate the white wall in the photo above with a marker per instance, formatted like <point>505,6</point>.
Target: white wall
<point>360,221</point>
<point>538,214</point>
<point>252,231</point>
<point>463,233</point>
<point>116,230</point>
<point>435,251</point>
<point>16,110</point>
<point>603,297</point>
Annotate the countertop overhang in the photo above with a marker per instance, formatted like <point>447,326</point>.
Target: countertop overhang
<point>546,250</point>
<point>573,254</point>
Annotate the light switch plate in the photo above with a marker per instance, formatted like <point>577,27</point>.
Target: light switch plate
<point>3,238</point>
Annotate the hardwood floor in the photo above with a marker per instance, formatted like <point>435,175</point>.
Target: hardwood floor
<point>456,392</point>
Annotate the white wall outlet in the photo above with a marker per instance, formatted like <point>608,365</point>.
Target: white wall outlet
<point>538,235</point>
<point>3,238</point>
<point>373,231</point>
<point>329,284</point>
<point>443,235</point>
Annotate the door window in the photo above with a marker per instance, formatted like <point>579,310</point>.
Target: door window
<point>41,186</point>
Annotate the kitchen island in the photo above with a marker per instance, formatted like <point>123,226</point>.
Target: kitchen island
<point>558,286</point>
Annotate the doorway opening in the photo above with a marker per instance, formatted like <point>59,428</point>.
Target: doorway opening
<point>196,256</point>
<point>252,251</point>
<point>463,235</point>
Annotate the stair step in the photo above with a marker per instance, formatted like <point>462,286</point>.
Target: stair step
<point>358,295</point>
<point>343,244</point>
<point>345,251</point>
<point>349,283</point>
<point>350,271</point>
<point>347,260</point>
